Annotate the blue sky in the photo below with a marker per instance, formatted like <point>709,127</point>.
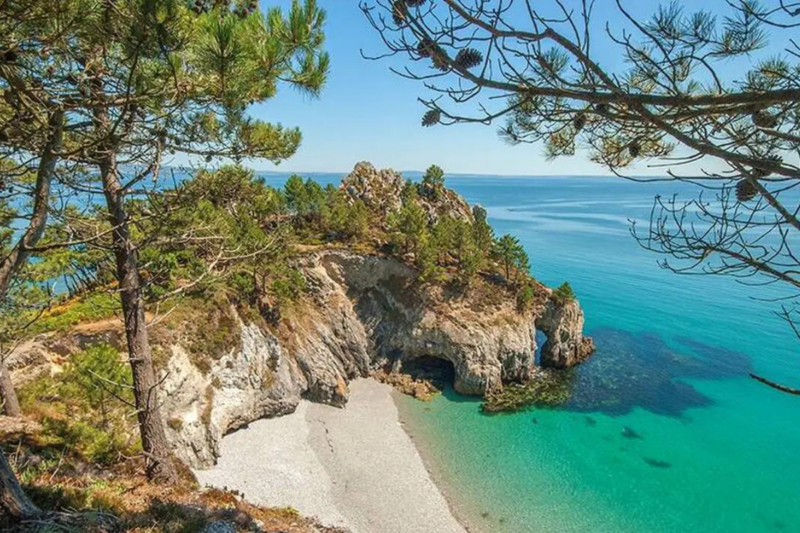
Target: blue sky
<point>368,113</point>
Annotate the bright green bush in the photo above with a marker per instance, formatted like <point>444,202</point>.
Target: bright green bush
<point>86,409</point>
<point>564,293</point>
<point>90,307</point>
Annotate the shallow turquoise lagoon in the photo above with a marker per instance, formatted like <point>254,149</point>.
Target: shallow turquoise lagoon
<point>665,432</point>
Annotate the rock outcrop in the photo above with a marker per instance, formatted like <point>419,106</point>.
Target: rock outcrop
<point>382,190</point>
<point>563,323</point>
<point>364,313</point>
<point>361,314</point>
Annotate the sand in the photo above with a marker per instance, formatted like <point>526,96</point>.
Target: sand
<point>354,467</point>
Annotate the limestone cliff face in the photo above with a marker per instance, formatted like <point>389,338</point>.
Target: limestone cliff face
<point>363,313</point>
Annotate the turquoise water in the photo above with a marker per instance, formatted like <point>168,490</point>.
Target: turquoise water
<point>665,432</point>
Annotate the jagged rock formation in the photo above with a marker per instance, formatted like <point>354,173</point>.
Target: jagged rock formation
<point>382,191</point>
<point>566,346</point>
<point>364,313</point>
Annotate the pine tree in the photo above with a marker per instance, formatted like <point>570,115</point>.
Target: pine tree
<point>433,182</point>
<point>511,253</point>
<point>138,80</point>
<point>410,228</point>
<point>482,231</point>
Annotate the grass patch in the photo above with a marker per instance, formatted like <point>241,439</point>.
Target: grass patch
<point>206,326</point>
<point>90,307</point>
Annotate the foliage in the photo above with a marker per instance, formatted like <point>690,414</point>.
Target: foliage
<point>564,293</point>
<point>86,408</point>
<point>288,285</point>
<point>510,252</point>
<point>344,219</point>
<point>525,297</point>
<point>91,307</point>
<point>484,234</point>
<point>409,227</point>
<point>433,182</point>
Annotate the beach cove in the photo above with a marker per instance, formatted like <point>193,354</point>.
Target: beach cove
<point>353,467</point>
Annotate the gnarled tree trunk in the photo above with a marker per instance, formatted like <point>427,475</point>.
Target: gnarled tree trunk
<point>14,261</point>
<point>13,500</point>
<point>145,381</point>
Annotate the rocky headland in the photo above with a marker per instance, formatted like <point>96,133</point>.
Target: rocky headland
<point>363,313</point>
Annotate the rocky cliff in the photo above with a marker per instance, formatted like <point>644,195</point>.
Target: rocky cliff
<point>363,313</point>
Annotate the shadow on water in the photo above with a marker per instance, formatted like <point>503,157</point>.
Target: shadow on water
<point>640,370</point>
<point>632,370</point>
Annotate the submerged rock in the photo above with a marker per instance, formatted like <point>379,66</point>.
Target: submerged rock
<point>629,433</point>
<point>656,463</point>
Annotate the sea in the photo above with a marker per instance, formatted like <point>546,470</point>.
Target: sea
<point>664,431</point>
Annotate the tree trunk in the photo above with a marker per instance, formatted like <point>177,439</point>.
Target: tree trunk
<point>8,394</point>
<point>13,499</point>
<point>15,260</point>
<point>159,465</point>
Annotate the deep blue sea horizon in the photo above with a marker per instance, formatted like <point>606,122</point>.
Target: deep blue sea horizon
<point>665,431</point>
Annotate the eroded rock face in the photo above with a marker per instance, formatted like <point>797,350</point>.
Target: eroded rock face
<point>563,325</point>
<point>378,189</point>
<point>382,191</point>
<point>253,382</point>
<point>365,313</point>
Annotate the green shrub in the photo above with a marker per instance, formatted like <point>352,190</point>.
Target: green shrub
<point>564,294</point>
<point>86,408</point>
<point>90,307</point>
<point>525,298</point>
<point>289,286</point>
<point>433,182</point>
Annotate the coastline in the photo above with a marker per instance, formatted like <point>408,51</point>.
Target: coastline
<point>456,507</point>
<point>355,468</point>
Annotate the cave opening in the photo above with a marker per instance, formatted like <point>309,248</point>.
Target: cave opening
<point>541,340</point>
<point>440,372</point>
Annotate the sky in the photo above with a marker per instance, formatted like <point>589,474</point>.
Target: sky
<point>365,112</point>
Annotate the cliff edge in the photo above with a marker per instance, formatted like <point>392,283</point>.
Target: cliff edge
<point>364,313</point>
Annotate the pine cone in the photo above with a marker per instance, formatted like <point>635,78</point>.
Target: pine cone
<point>579,122</point>
<point>414,3</point>
<point>746,190</point>
<point>439,58</point>
<point>634,149</point>
<point>399,12</point>
<point>425,47</point>
<point>431,118</point>
<point>468,58</point>
<point>763,119</point>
